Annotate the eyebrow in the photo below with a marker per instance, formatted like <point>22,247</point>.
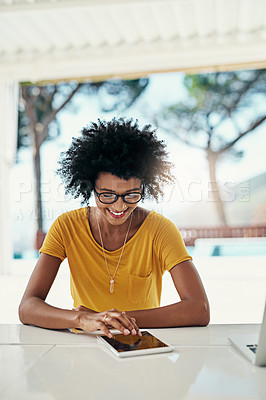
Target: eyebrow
<point>130,190</point>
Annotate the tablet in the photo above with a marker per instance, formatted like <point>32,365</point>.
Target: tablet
<point>134,345</point>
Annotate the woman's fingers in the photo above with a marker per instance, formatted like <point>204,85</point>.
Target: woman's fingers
<point>124,322</point>
<point>91,320</point>
<point>120,321</point>
<point>103,327</point>
<point>135,330</point>
<point>136,327</point>
<point>113,321</point>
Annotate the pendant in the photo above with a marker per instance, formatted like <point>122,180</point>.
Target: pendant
<point>112,284</point>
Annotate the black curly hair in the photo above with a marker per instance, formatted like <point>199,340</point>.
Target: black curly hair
<point>119,147</point>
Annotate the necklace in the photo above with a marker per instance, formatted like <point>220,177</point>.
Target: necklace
<point>112,280</point>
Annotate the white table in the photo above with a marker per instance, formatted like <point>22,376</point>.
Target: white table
<point>44,364</point>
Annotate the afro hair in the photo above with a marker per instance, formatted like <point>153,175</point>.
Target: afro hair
<point>121,148</point>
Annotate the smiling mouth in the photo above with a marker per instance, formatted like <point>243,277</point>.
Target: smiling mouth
<point>117,214</point>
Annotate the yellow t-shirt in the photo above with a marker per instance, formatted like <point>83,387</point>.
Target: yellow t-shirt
<point>157,246</point>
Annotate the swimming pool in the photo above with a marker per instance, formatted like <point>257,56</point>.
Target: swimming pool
<point>229,247</point>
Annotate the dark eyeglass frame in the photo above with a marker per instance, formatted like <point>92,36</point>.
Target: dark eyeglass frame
<point>117,197</point>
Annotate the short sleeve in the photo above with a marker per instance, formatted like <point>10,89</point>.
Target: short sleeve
<point>53,244</point>
<point>170,245</point>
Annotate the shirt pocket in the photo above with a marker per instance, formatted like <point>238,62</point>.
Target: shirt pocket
<point>139,288</point>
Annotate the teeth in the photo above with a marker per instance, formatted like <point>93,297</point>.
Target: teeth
<point>117,213</point>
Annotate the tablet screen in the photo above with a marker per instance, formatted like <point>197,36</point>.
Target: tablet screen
<point>122,343</point>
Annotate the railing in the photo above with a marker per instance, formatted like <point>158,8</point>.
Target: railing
<point>191,234</point>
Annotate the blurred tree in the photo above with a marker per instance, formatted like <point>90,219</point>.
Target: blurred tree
<point>221,109</point>
<point>39,107</point>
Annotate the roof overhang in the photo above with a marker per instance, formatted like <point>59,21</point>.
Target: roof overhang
<point>47,40</point>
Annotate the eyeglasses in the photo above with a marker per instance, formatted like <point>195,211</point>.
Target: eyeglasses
<point>110,198</point>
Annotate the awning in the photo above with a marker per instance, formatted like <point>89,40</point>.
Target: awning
<point>43,40</point>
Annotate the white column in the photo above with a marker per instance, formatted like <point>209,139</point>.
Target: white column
<point>8,137</point>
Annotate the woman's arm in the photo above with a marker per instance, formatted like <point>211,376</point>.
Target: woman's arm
<point>193,309</point>
<point>35,311</point>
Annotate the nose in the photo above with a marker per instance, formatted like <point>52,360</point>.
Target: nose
<point>120,204</point>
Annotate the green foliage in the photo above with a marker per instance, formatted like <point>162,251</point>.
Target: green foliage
<point>40,104</point>
<point>38,109</point>
<point>119,95</point>
<point>220,108</point>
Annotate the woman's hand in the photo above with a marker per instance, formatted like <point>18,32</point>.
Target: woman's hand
<point>91,321</point>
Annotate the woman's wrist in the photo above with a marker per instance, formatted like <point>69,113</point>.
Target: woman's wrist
<point>79,319</point>
<point>82,318</point>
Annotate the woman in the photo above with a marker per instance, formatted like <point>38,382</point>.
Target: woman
<point>117,251</point>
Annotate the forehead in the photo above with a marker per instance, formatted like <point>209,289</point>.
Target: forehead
<point>108,181</point>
